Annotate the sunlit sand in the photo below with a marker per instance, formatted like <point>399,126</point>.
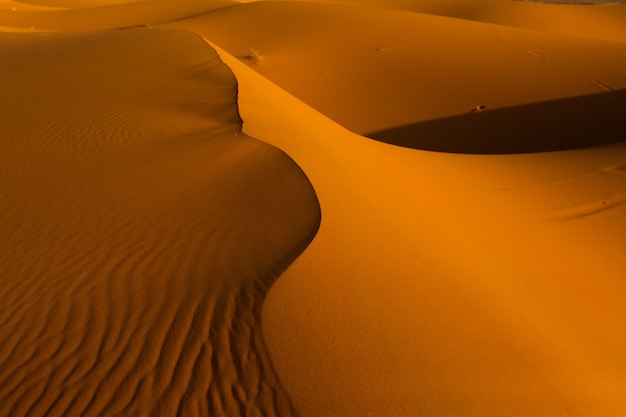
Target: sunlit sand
<point>324,208</point>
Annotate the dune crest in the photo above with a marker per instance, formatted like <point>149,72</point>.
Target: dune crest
<point>411,68</point>
<point>140,230</point>
<point>453,284</point>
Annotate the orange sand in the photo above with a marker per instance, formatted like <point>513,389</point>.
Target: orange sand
<point>475,270</point>
<point>141,230</point>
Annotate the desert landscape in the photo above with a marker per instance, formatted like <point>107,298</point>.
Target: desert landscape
<point>321,208</point>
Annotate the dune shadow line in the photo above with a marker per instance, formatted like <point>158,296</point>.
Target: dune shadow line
<point>562,124</point>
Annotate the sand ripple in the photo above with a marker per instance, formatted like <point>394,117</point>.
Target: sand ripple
<point>140,231</point>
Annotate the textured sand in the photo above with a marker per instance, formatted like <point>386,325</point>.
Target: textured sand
<point>140,230</point>
<point>144,229</point>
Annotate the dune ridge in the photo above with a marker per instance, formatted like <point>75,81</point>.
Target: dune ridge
<point>454,284</point>
<point>442,67</point>
<point>448,319</point>
<point>140,230</point>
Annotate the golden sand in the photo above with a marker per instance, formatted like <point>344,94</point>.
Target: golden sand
<point>141,230</point>
<point>467,157</point>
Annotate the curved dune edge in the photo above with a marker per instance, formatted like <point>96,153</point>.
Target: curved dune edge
<point>579,122</point>
<point>457,285</point>
<point>414,79</point>
<point>141,230</point>
<point>438,284</point>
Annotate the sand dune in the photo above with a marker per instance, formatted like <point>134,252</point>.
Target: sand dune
<point>73,15</point>
<point>142,229</point>
<point>603,20</point>
<point>448,286</point>
<point>342,52</point>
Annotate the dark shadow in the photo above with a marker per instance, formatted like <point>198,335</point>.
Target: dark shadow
<point>571,123</point>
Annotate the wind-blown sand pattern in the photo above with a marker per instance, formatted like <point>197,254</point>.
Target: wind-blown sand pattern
<point>140,231</point>
<point>468,158</point>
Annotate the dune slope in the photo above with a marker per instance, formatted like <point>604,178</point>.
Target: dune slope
<point>446,284</point>
<point>144,229</point>
<point>72,15</point>
<point>585,18</point>
<point>376,69</point>
<point>140,230</point>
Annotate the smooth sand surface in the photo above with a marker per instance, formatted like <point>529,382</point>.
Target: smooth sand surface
<point>372,70</point>
<point>455,291</point>
<point>470,266</point>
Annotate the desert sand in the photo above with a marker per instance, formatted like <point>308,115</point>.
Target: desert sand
<point>322,208</point>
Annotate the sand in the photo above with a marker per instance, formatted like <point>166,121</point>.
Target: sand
<point>141,230</point>
<point>329,208</point>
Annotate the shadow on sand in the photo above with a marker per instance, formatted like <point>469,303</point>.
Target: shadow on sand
<point>570,123</point>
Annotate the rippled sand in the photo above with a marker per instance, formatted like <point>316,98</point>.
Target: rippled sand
<point>140,230</point>
<point>429,220</point>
